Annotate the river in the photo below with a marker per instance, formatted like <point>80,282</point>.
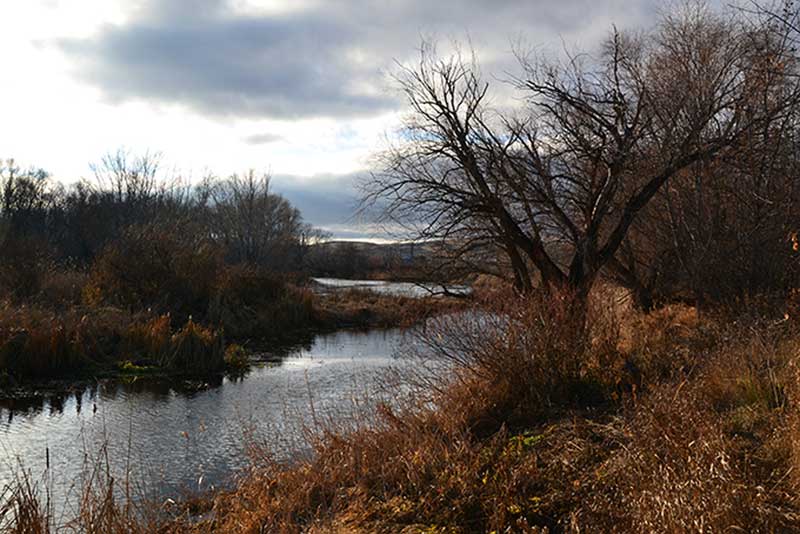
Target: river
<point>400,289</point>
<point>176,437</point>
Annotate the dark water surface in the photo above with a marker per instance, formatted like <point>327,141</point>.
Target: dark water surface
<point>174,436</point>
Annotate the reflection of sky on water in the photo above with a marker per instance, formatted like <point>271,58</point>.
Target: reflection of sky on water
<point>176,437</point>
<point>400,289</point>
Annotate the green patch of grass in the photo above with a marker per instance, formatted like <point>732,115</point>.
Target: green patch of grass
<point>127,367</point>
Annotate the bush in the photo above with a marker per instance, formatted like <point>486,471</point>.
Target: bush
<point>236,358</point>
<point>251,302</point>
<point>24,264</point>
<point>518,356</point>
<point>61,288</point>
<point>150,268</point>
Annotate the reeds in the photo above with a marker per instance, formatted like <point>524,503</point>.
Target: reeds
<point>37,343</point>
<point>507,439</point>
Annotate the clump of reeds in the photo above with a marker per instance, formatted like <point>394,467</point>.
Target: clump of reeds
<point>105,502</point>
<point>195,348</point>
<point>192,349</point>
<point>236,358</point>
<point>41,345</point>
<point>150,339</point>
<point>23,509</point>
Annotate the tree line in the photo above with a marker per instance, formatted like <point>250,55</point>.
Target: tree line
<point>44,223</point>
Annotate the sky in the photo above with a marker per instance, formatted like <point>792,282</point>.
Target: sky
<point>300,89</point>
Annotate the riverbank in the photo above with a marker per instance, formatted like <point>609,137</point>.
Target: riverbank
<point>45,350</point>
<point>660,422</point>
<point>362,308</point>
<point>664,422</point>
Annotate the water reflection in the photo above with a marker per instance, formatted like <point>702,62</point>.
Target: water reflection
<point>400,289</point>
<point>191,434</point>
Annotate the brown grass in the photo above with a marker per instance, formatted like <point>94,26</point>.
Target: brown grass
<point>39,343</point>
<point>364,308</point>
<point>671,422</point>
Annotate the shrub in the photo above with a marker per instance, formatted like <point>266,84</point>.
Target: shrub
<point>153,268</point>
<point>518,356</point>
<point>24,264</point>
<point>251,302</point>
<point>61,288</point>
<point>236,358</point>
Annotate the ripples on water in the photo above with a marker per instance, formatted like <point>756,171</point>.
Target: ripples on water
<point>175,437</point>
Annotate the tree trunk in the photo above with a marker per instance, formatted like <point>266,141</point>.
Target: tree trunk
<point>522,278</point>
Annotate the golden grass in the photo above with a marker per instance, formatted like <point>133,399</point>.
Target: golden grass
<point>691,426</point>
<point>357,307</point>
<point>40,343</point>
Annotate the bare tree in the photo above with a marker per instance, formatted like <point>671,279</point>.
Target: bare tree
<point>22,191</point>
<point>558,186</point>
<point>129,178</point>
<point>254,224</point>
<point>722,226</point>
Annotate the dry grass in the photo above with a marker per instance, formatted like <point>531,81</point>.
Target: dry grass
<point>38,343</point>
<point>195,347</point>
<point>41,343</point>
<point>692,425</point>
<point>364,308</point>
<point>106,504</point>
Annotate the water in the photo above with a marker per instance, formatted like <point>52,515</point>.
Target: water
<point>402,289</point>
<point>175,437</point>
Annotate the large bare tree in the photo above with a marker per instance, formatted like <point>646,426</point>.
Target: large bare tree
<point>557,186</point>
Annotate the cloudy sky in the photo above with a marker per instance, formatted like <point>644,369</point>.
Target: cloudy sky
<point>298,88</point>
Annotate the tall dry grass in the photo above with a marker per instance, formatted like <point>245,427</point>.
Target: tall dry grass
<point>106,503</point>
<point>35,342</point>
<point>39,343</point>
<point>672,422</point>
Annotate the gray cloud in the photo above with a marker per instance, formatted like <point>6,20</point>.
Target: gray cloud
<point>262,139</point>
<point>225,65</point>
<point>324,200</point>
<point>330,203</point>
<point>326,59</point>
